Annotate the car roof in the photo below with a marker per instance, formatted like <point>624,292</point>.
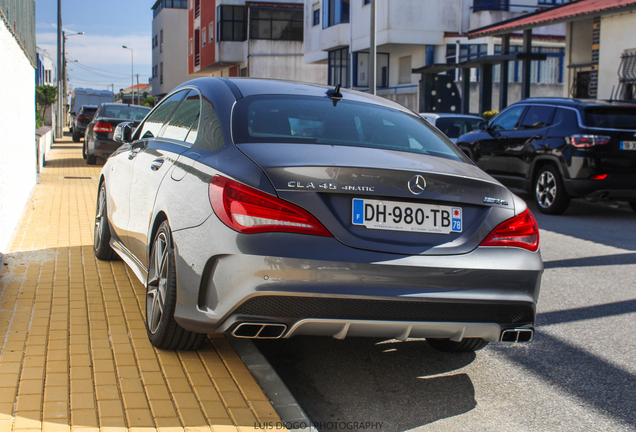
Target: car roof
<point>119,104</point>
<point>256,86</point>
<point>574,103</point>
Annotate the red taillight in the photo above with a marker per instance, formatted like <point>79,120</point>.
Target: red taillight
<point>585,141</point>
<point>599,177</point>
<point>520,231</point>
<point>102,127</point>
<point>247,210</point>
<point>83,117</point>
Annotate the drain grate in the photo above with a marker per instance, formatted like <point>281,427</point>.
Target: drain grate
<point>78,178</point>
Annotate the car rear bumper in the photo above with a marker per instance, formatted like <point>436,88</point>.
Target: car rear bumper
<point>102,147</point>
<point>329,286</point>
<point>622,188</point>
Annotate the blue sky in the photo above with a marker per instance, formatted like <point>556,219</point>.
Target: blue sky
<point>107,26</point>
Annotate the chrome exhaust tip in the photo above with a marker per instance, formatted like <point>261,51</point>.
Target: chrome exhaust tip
<point>523,335</point>
<point>259,331</point>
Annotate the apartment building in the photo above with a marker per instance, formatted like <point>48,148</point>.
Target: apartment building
<point>251,39</point>
<point>169,46</point>
<point>45,69</point>
<point>411,34</point>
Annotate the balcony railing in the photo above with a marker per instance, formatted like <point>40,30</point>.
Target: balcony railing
<point>197,59</point>
<point>491,5</point>
<point>197,11</point>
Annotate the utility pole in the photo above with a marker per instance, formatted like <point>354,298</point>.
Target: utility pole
<point>372,49</point>
<point>138,92</point>
<point>58,129</point>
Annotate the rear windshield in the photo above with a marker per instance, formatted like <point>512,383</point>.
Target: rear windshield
<point>315,120</point>
<point>124,112</point>
<point>88,111</point>
<point>454,127</point>
<point>611,118</point>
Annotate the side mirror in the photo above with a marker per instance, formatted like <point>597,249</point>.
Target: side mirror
<point>123,132</point>
<point>482,126</point>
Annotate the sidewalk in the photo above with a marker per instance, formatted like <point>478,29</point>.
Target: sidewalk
<point>75,354</point>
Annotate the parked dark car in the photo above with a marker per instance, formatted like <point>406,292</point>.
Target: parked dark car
<point>269,209</point>
<point>81,121</point>
<point>558,149</point>
<point>99,133</point>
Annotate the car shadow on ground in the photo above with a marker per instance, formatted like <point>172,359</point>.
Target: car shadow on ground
<point>413,390</point>
<point>602,222</point>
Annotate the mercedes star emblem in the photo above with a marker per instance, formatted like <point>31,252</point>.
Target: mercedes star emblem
<point>417,184</point>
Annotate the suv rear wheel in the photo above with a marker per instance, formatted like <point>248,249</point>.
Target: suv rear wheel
<point>549,192</point>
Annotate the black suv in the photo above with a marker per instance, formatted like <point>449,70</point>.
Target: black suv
<point>83,118</point>
<point>559,149</point>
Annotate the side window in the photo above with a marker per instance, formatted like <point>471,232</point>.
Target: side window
<point>183,118</point>
<point>155,121</point>
<point>508,120</point>
<point>538,117</point>
<point>206,132</point>
<point>566,117</point>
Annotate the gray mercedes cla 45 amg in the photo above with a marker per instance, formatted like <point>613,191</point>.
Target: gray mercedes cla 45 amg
<point>267,209</point>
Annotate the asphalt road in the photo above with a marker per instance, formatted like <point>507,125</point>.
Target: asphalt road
<point>579,374</point>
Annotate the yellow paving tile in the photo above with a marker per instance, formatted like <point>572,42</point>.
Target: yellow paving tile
<point>76,353</point>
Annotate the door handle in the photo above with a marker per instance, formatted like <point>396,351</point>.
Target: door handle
<point>156,164</point>
<point>132,154</point>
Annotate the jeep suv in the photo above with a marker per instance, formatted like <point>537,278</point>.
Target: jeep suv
<point>558,149</point>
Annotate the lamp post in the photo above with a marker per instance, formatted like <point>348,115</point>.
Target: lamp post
<point>64,74</point>
<point>132,72</point>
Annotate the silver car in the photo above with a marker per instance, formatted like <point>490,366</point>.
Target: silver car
<point>268,209</point>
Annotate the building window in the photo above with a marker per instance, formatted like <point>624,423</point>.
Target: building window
<point>276,24</point>
<point>491,5</point>
<point>190,50</point>
<point>339,67</point>
<point>316,16</point>
<point>365,2</point>
<point>204,36</point>
<point>211,31</point>
<point>361,70</point>
<point>548,71</point>
<point>161,73</point>
<point>161,40</point>
<point>552,2</point>
<point>405,70</point>
<point>334,12</point>
<point>232,23</point>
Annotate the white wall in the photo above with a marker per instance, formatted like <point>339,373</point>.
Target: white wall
<point>617,35</point>
<point>174,23</point>
<point>283,60</point>
<point>17,123</point>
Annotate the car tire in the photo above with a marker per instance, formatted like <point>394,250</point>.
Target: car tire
<point>76,137</point>
<point>549,192</point>
<point>161,298</point>
<point>91,159</point>
<point>84,149</point>
<point>101,235</point>
<point>466,345</point>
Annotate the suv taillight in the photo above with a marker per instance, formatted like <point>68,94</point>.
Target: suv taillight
<point>520,231</point>
<point>585,141</point>
<point>248,210</point>
<point>83,117</point>
<point>102,127</point>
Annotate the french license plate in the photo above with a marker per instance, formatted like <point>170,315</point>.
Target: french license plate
<point>399,216</point>
<point>628,145</point>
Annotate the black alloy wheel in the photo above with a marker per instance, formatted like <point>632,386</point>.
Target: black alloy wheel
<point>101,234</point>
<point>161,298</point>
<point>549,192</point>
<point>466,345</point>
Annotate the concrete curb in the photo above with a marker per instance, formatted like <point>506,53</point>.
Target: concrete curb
<point>286,406</point>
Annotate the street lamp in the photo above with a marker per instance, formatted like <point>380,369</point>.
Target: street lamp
<point>132,72</point>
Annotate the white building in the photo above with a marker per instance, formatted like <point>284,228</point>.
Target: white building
<point>169,46</point>
<point>600,45</point>
<point>45,68</point>
<point>17,116</point>
<point>411,34</point>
